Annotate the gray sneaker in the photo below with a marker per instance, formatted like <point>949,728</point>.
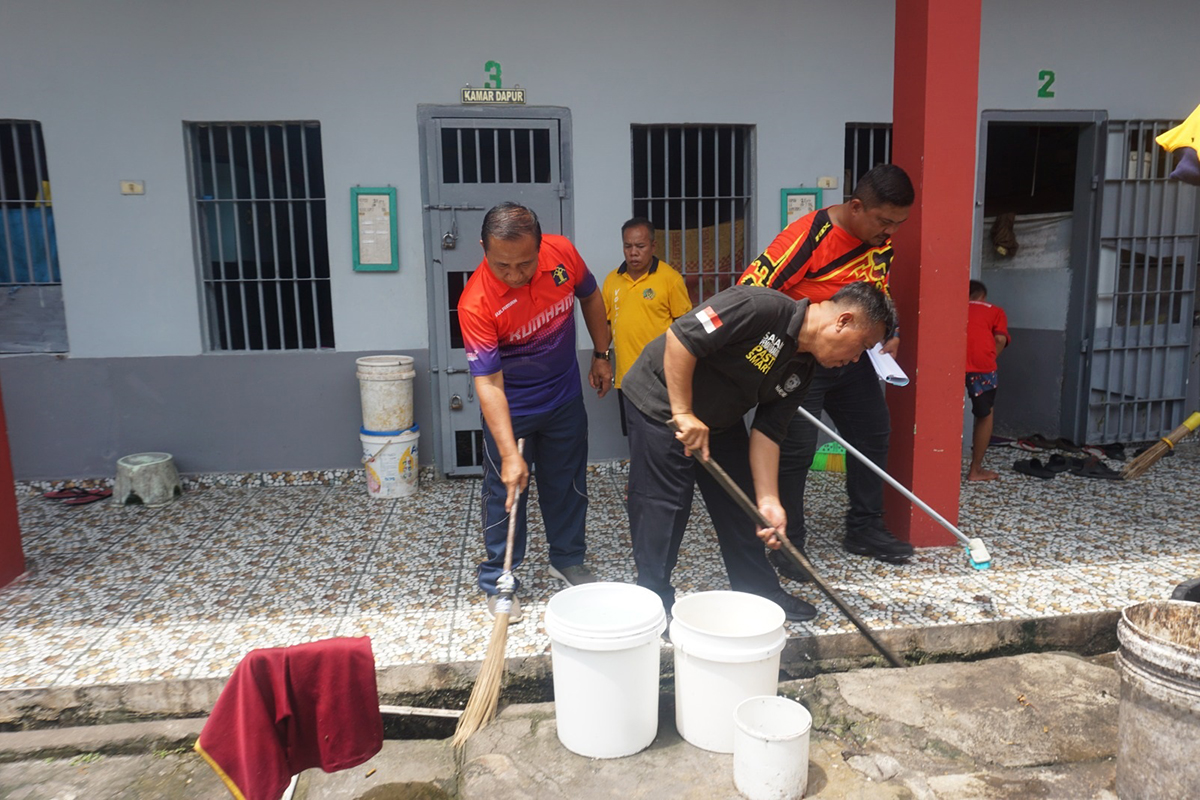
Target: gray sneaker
<point>573,575</point>
<point>514,614</point>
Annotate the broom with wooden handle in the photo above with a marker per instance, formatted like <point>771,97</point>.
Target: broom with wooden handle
<point>481,705</point>
<point>747,505</point>
<point>1160,448</point>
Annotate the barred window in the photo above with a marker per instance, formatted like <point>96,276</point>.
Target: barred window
<point>261,238</point>
<point>694,183</point>
<point>31,308</point>
<point>867,144</point>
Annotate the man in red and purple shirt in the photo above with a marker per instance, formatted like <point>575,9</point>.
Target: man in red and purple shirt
<point>517,314</point>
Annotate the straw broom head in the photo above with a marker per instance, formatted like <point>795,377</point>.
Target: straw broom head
<point>481,705</point>
<point>1160,448</point>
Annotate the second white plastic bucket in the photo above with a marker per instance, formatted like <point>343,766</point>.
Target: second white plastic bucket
<point>604,650</point>
<point>385,386</point>
<point>390,461</point>
<point>770,748</point>
<point>727,647</point>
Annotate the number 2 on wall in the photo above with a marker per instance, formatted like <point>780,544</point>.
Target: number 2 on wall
<point>492,68</point>
<point>1046,75</point>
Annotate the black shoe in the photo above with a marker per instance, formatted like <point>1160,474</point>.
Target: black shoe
<point>788,568</point>
<point>878,543</point>
<point>794,609</point>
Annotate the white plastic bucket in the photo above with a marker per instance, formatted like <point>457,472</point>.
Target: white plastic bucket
<point>390,461</point>
<point>604,651</point>
<point>770,748</point>
<point>385,386</point>
<point>727,647</point>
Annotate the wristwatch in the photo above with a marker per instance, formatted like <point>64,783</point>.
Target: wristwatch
<point>600,354</point>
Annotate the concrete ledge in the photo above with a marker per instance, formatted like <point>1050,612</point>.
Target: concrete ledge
<point>527,679</point>
<point>130,737</point>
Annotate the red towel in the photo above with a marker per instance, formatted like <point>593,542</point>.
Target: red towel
<point>286,709</point>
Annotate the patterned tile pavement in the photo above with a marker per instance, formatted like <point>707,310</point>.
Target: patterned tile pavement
<point>116,595</point>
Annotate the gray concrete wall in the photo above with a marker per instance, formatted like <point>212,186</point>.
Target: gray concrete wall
<point>113,84</point>
<point>72,417</point>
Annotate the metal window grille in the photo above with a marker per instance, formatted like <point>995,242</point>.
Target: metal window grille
<point>1149,247</point>
<point>261,238</point>
<point>28,251</point>
<point>32,317</point>
<point>694,183</point>
<point>496,155</point>
<point>867,144</point>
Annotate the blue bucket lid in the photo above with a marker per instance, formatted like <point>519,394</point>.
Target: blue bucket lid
<point>365,432</point>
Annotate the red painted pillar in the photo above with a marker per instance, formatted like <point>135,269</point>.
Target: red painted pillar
<point>12,557</point>
<point>935,129</point>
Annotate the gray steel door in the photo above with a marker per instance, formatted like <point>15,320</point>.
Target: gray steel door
<point>1145,292</point>
<point>475,158</point>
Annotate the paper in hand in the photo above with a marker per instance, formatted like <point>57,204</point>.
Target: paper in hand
<point>886,367</point>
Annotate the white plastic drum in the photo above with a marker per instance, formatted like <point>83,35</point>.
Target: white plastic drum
<point>604,647</point>
<point>727,647</point>
<point>385,385</point>
<point>391,463</point>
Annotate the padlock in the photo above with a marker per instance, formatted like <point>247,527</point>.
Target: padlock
<point>455,403</point>
<point>449,241</point>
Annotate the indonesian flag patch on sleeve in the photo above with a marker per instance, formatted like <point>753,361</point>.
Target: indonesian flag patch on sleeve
<point>709,319</point>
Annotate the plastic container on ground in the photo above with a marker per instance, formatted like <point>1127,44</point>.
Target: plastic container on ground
<point>770,748</point>
<point>385,385</point>
<point>604,651</point>
<point>727,647</point>
<point>390,461</point>
<point>1158,749</point>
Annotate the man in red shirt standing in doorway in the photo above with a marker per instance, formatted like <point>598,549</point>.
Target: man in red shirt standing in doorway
<point>814,257</point>
<point>517,314</point>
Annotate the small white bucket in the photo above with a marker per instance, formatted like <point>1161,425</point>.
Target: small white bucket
<point>385,386</point>
<point>604,650</point>
<point>770,748</point>
<point>727,647</point>
<point>390,461</point>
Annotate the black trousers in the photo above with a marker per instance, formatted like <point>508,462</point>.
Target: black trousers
<point>661,481</point>
<point>852,397</point>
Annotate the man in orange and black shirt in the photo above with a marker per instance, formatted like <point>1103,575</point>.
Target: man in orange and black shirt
<point>813,258</point>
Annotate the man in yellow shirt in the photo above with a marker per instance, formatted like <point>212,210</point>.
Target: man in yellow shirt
<point>642,297</point>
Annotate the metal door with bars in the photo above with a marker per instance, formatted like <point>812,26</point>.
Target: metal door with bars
<point>1146,286</point>
<point>474,158</point>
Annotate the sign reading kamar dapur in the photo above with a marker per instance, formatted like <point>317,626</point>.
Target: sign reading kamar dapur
<point>514,97</point>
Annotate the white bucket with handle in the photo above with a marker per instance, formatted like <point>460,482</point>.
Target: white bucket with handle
<point>390,461</point>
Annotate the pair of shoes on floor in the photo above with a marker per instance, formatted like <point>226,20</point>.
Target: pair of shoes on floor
<point>573,575</point>
<point>879,543</point>
<point>76,496</point>
<point>515,614</point>
<point>787,568</point>
<point>794,609</point>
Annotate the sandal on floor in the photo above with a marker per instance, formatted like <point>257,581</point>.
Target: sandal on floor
<point>1034,468</point>
<point>65,494</point>
<point>1094,468</point>
<point>1066,445</point>
<point>90,497</point>
<point>1057,463</point>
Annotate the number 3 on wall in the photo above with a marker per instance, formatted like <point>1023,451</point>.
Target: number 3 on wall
<point>1045,75</point>
<point>492,68</point>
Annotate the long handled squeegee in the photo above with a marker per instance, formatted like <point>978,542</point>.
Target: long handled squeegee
<point>977,552</point>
